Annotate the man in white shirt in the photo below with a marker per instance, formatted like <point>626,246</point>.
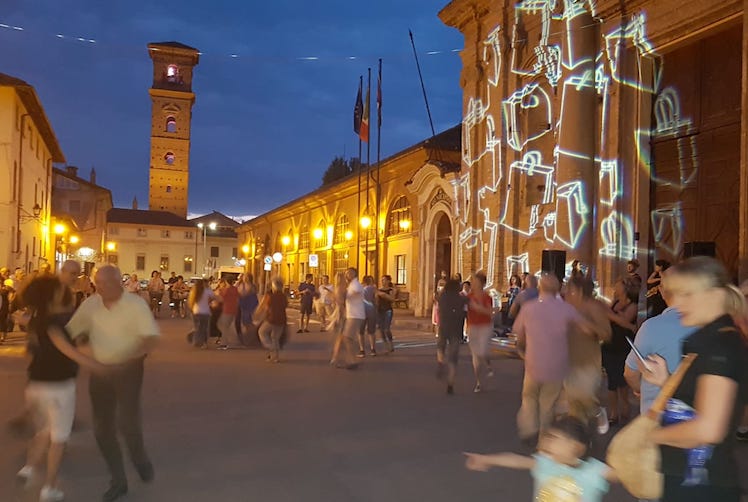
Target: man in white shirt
<point>324,302</point>
<point>355,314</point>
<point>121,331</point>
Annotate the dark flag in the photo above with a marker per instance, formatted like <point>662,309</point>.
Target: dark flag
<point>364,129</point>
<point>358,111</point>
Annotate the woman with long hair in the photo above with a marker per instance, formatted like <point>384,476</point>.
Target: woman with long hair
<point>199,303</point>
<point>50,393</point>
<point>452,308</point>
<point>697,454</point>
<point>276,320</point>
<point>622,315</point>
<point>248,303</point>
<point>480,327</point>
<point>655,303</point>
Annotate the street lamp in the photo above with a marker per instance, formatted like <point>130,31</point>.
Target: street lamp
<point>404,225</point>
<point>212,225</point>
<point>74,239</point>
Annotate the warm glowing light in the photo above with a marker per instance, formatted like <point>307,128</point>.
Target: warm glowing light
<point>59,228</point>
<point>348,235</point>
<point>277,257</point>
<point>405,224</point>
<point>245,249</point>
<point>85,252</point>
<point>286,240</point>
<point>212,225</point>
<point>242,262</point>
<point>200,225</point>
<point>317,233</point>
<point>74,239</point>
<point>365,222</point>
<point>111,246</point>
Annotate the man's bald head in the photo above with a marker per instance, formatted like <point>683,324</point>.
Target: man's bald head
<point>69,272</point>
<point>108,280</point>
<point>549,284</point>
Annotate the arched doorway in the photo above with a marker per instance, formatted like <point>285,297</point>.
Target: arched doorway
<point>443,247</point>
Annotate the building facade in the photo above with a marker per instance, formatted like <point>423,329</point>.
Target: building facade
<point>141,241</point>
<point>600,131</point>
<point>408,235</point>
<point>171,116</point>
<point>83,205</point>
<point>29,148</point>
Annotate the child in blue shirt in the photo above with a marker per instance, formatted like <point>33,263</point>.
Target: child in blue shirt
<point>561,469</point>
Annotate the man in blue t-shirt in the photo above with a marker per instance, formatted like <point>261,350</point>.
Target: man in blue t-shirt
<point>662,335</point>
<point>307,292</point>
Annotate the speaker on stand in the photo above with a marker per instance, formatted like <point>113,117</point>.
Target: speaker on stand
<point>554,262</point>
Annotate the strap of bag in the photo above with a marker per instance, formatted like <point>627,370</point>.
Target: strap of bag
<point>670,386</point>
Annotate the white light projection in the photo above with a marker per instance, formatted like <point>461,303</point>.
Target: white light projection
<point>547,58</point>
<point>531,104</point>
<point>517,264</point>
<point>570,202</point>
<point>610,189</point>
<point>634,33</point>
<point>668,122</point>
<point>617,234</point>
<point>531,173</point>
<point>667,226</point>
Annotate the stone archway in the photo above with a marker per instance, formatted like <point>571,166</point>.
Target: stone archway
<point>442,247</point>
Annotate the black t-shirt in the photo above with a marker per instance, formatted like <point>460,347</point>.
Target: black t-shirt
<point>451,314</point>
<point>722,352</point>
<point>48,364</point>
<point>384,304</point>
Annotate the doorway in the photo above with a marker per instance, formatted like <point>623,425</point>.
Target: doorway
<point>443,258</point>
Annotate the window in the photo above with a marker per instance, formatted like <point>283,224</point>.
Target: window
<point>322,261</point>
<point>168,188</point>
<point>165,234</point>
<point>321,231</point>
<point>341,230</point>
<point>33,246</point>
<point>400,272</point>
<point>164,264</point>
<point>112,259</point>
<point>234,252</point>
<point>172,73</point>
<point>401,219</point>
<point>304,237</point>
<point>214,251</point>
<point>113,230</point>
<point>187,264</point>
<point>169,158</point>
<point>140,262</point>
<point>189,235</point>
<point>340,260</point>
<point>171,124</point>
<point>142,232</point>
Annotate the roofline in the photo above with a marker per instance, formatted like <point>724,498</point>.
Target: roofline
<point>34,107</point>
<point>422,145</point>
<point>78,179</point>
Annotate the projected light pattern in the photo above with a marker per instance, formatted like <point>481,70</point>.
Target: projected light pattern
<point>534,191</point>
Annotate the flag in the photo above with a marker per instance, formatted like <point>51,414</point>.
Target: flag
<point>358,111</point>
<point>379,94</point>
<point>364,133</point>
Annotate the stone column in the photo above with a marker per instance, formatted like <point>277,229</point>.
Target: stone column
<point>575,164</point>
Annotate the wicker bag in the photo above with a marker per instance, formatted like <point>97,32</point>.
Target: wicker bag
<point>634,457</point>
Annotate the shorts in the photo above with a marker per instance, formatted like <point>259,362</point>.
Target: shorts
<point>323,309</point>
<point>52,405</point>
<point>306,308</point>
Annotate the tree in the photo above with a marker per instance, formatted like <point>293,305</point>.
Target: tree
<point>338,168</point>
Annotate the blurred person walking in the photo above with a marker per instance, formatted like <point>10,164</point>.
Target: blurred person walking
<point>199,303</point>
<point>622,315</point>
<point>369,326</point>
<point>122,332</point>
<point>306,304</point>
<point>273,309</point>
<point>385,298</point>
<point>227,320</point>
<point>542,329</point>
<point>248,303</point>
<point>324,303</point>
<point>452,309</point>
<point>480,327</point>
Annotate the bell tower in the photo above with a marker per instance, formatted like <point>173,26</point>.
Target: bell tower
<point>171,113</point>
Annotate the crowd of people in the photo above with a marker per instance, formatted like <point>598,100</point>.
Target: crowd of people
<point>571,341</point>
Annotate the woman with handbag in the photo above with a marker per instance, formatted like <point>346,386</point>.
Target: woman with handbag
<point>697,452</point>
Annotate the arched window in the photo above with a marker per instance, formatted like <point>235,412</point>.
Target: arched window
<point>278,243</point>
<point>171,124</point>
<point>304,237</point>
<point>169,158</point>
<point>320,235</point>
<point>172,73</point>
<point>289,235</point>
<point>342,232</point>
<point>400,219</point>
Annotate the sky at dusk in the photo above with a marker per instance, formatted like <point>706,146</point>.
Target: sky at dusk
<point>266,124</point>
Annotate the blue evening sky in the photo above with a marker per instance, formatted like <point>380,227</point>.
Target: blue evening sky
<point>265,124</point>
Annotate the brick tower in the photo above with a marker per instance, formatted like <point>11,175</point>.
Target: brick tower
<point>171,113</point>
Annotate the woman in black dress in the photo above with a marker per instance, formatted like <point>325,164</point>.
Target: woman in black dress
<point>622,317</point>
<point>714,386</point>
<point>655,303</point>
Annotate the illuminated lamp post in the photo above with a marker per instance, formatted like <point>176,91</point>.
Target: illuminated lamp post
<point>111,247</point>
<point>245,252</point>
<point>278,258</point>
<point>286,240</point>
<point>366,224</point>
<point>212,225</point>
<point>59,230</point>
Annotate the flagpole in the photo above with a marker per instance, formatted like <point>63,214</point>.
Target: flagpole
<point>378,186</point>
<point>368,165</point>
<point>358,240</point>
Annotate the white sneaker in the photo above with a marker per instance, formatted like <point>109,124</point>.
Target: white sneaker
<point>25,475</point>
<point>51,494</point>
<point>603,426</point>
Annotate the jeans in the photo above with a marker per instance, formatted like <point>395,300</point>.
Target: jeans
<point>384,319</point>
<point>115,400</point>
<point>202,322</point>
<point>270,334</point>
